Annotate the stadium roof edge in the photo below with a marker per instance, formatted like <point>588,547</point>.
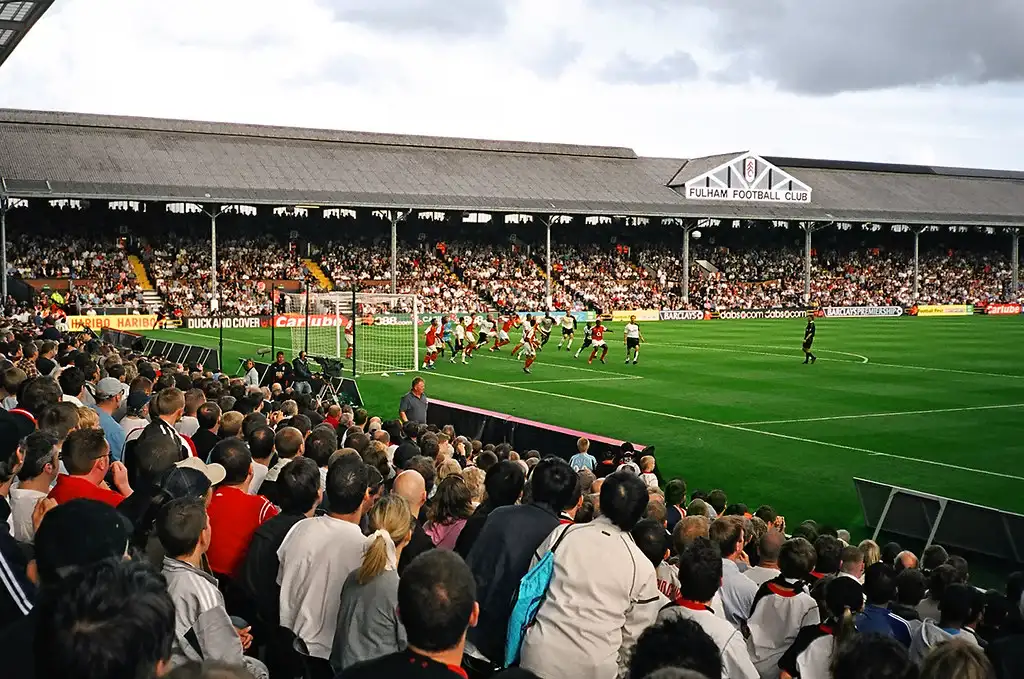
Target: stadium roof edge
<point>16,20</point>
<point>69,155</point>
<point>147,124</point>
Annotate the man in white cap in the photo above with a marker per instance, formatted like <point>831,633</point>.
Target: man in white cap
<point>109,392</point>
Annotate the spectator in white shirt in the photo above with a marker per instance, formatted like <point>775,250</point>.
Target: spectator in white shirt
<point>852,564</point>
<point>768,549</point>
<point>603,591</point>
<point>700,576</point>
<point>676,648</point>
<point>38,472</point>
<point>317,556</point>
<point>782,606</point>
<point>188,425</point>
<point>136,416</point>
<point>737,590</point>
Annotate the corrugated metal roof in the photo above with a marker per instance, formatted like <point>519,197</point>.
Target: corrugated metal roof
<point>100,156</point>
<point>92,156</point>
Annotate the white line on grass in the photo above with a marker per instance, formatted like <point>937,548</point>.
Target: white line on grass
<point>791,355</point>
<point>737,427</point>
<point>579,379</point>
<point>891,414</point>
<point>553,365</point>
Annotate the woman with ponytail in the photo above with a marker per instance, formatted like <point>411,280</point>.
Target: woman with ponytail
<point>368,624</point>
<point>810,656</point>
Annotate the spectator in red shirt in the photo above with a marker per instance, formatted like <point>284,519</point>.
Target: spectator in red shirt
<point>86,456</point>
<point>234,514</point>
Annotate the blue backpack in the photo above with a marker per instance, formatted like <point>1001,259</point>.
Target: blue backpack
<point>533,589</point>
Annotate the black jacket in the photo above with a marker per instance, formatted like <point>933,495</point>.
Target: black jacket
<point>301,370</point>
<point>471,531</point>
<point>17,593</point>
<point>204,440</point>
<point>419,542</point>
<point>499,560</point>
<point>406,450</point>
<point>400,666</point>
<point>258,576</point>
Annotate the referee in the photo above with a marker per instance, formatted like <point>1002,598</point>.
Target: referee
<point>632,339</point>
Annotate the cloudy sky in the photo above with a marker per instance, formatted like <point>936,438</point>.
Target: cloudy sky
<point>918,81</point>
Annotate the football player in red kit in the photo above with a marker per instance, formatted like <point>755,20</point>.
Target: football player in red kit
<point>530,344</point>
<point>507,323</point>
<point>597,341</point>
<point>433,345</point>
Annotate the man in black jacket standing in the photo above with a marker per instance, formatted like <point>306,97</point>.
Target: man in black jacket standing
<point>505,548</point>
<point>302,374</point>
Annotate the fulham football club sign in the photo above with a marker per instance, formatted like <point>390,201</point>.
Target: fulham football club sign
<point>749,179</point>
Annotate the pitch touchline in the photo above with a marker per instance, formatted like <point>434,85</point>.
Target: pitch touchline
<point>737,427</point>
<point>892,414</point>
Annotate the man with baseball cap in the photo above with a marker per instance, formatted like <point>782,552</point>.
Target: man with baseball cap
<point>71,536</point>
<point>109,393</point>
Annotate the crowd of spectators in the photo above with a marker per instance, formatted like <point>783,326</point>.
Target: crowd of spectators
<point>422,270</point>
<point>246,269</point>
<point>482,270</point>
<point>159,517</point>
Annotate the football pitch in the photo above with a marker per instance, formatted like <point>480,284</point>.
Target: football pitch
<point>932,404</point>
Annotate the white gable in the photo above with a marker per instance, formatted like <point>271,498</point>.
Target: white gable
<point>748,178</point>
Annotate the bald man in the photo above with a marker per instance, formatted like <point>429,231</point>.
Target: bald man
<point>768,548</point>
<point>411,486</point>
<point>904,560</point>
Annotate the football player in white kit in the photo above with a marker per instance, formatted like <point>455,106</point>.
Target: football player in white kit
<point>632,338</point>
<point>568,323</point>
<point>460,340</point>
<point>529,351</point>
<point>522,340</point>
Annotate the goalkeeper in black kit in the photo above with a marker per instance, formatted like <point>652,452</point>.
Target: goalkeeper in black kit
<point>808,341</point>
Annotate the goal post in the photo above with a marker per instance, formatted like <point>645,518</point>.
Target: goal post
<point>369,333</point>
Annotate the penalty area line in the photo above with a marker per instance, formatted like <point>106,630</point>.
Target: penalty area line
<point>737,427</point>
<point>890,414</point>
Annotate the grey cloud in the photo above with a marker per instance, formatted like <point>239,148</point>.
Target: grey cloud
<point>558,55</point>
<point>445,17</point>
<point>675,67</point>
<point>825,48</point>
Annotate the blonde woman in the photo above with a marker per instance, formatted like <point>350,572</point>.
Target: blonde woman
<point>368,624</point>
<point>448,467</point>
<point>956,660</point>
<point>474,478</point>
<point>872,552</point>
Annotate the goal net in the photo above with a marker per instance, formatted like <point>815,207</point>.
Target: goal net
<point>369,333</point>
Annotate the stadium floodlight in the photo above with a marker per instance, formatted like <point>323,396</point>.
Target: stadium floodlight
<point>696,234</point>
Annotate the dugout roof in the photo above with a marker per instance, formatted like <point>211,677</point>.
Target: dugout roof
<point>46,154</point>
<point>16,19</point>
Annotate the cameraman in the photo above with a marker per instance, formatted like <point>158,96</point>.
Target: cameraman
<point>302,374</point>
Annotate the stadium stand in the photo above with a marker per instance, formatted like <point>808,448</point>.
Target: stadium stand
<point>305,538</point>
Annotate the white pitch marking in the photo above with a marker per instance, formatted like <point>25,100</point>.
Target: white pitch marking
<point>580,379</point>
<point>791,354</point>
<point>737,427</point>
<point>891,414</point>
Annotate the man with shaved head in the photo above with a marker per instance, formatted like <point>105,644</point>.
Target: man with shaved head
<point>768,567</point>
<point>411,486</point>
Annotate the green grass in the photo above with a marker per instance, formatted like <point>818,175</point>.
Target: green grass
<point>710,395</point>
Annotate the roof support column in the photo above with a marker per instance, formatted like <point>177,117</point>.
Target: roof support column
<point>5,205</point>
<point>687,228</point>
<point>917,261</point>
<point>1014,265</point>
<point>548,265</point>
<point>395,216</point>
<point>809,228</point>
<point>213,261</point>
